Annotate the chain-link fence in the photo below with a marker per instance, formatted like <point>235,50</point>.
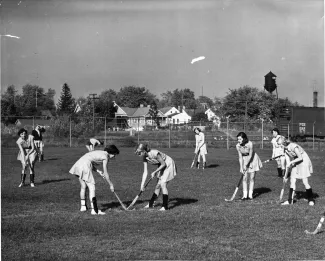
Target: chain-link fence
<point>76,131</point>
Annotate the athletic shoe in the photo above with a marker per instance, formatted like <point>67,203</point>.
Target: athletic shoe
<point>32,185</point>
<point>93,212</point>
<point>21,184</point>
<point>147,206</point>
<point>286,203</point>
<point>249,198</point>
<point>162,209</point>
<point>83,208</point>
<point>243,198</point>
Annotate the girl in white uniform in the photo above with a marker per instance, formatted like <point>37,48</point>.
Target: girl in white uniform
<point>200,147</point>
<point>84,168</point>
<point>278,151</point>
<point>301,168</point>
<point>92,143</point>
<point>249,163</point>
<point>165,172</point>
<point>27,155</point>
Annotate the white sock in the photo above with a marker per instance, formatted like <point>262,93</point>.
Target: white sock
<point>83,202</point>
<point>244,193</point>
<point>250,194</point>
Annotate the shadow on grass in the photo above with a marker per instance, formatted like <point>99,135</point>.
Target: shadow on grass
<point>259,191</point>
<point>52,159</point>
<point>303,195</point>
<point>112,205</point>
<point>175,202</point>
<point>211,166</point>
<point>51,181</point>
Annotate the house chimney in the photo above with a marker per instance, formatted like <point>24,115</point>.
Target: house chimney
<point>141,105</point>
<point>315,94</point>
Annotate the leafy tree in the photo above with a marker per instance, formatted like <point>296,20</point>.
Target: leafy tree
<point>8,102</point>
<point>200,116</point>
<point>66,104</point>
<point>132,96</point>
<point>185,98</point>
<point>205,100</point>
<point>154,113</point>
<point>166,100</point>
<point>105,105</point>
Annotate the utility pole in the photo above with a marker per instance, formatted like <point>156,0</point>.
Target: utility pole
<point>93,97</point>
<point>36,96</point>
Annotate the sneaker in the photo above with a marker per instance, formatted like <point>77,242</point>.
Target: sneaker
<point>249,198</point>
<point>286,203</point>
<point>147,206</point>
<point>93,212</point>
<point>32,185</point>
<point>21,184</point>
<point>162,209</point>
<point>83,208</point>
<point>243,198</point>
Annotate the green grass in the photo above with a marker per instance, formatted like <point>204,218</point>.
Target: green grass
<point>44,223</point>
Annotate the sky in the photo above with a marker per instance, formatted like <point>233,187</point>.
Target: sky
<point>98,45</point>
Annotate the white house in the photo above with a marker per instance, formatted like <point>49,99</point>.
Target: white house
<point>213,117</point>
<point>179,118</point>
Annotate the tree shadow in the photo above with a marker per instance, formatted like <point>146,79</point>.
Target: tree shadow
<point>303,195</point>
<point>46,181</point>
<point>211,166</point>
<point>259,191</point>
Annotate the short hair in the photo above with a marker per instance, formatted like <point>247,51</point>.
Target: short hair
<point>112,149</point>
<point>21,131</point>
<point>196,128</point>
<point>142,147</point>
<point>276,130</point>
<point>244,137</point>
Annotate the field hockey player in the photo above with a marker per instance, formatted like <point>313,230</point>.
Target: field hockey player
<point>92,143</point>
<point>200,147</point>
<point>249,163</point>
<point>301,168</point>
<point>27,155</point>
<point>165,172</point>
<point>278,151</point>
<point>84,168</point>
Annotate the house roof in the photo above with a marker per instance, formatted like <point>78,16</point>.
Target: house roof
<point>166,109</point>
<point>270,74</point>
<point>142,111</point>
<point>129,111</point>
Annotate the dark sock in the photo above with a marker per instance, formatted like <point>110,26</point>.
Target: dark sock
<point>290,198</point>
<point>165,201</point>
<point>94,200</point>
<point>283,172</point>
<point>309,193</point>
<point>152,200</point>
<point>279,172</point>
<point>32,176</point>
<point>22,178</point>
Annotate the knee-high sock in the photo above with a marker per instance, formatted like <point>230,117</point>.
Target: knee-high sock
<point>165,201</point>
<point>152,200</point>
<point>291,195</point>
<point>310,195</point>
<point>94,204</point>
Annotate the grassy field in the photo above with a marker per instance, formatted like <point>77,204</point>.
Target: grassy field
<point>44,223</point>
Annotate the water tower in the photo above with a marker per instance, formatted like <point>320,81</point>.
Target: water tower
<point>270,83</point>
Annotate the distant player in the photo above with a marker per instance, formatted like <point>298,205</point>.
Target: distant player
<point>249,163</point>
<point>38,140</point>
<point>200,147</point>
<point>27,155</point>
<point>84,168</point>
<point>92,143</point>
<point>301,168</point>
<point>277,151</point>
<point>165,172</point>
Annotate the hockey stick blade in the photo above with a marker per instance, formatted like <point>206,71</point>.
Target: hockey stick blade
<point>319,226</point>
<point>121,203</point>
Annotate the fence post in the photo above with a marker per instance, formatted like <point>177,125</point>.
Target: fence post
<point>138,132</point>
<point>262,132</point>
<point>289,130</point>
<point>227,133</point>
<point>169,135</point>
<point>314,135</point>
<point>33,122</point>
<point>105,132</point>
<point>70,131</point>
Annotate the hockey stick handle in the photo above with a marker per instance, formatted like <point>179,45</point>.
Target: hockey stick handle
<point>119,200</point>
<point>274,158</point>
<point>136,198</point>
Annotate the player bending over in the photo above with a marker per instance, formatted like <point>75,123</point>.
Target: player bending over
<point>92,143</point>
<point>301,168</point>
<point>165,172</point>
<point>84,168</point>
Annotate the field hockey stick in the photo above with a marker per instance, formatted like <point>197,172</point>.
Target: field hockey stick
<point>272,159</point>
<point>123,206</point>
<point>318,226</point>
<point>192,165</point>
<point>136,198</point>
<point>233,195</point>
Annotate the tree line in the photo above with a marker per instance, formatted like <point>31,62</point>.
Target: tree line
<point>246,102</point>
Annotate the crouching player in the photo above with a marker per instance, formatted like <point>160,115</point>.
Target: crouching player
<point>278,152</point>
<point>301,168</point>
<point>92,143</point>
<point>84,168</point>
<point>165,172</point>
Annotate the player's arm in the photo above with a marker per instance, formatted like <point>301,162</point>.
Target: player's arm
<point>144,175</point>
<point>240,158</point>
<point>162,165</point>
<point>106,176</point>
